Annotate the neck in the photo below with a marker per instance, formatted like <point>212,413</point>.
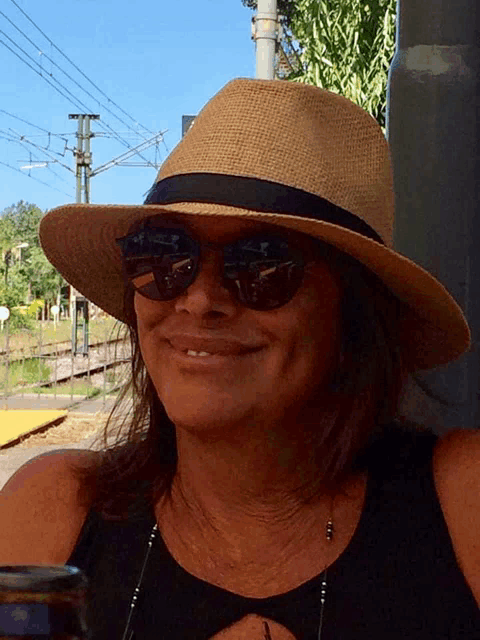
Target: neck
<point>263,479</point>
<point>251,518</point>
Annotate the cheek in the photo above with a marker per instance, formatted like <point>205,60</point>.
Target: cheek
<point>150,313</point>
<point>324,325</point>
<point>305,356</point>
<point>317,337</point>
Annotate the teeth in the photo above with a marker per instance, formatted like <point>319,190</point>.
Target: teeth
<point>198,353</point>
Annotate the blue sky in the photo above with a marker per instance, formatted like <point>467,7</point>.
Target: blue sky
<point>156,60</point>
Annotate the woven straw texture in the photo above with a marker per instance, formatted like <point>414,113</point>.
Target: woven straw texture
<point>346,162</point>
<point>295,135</point>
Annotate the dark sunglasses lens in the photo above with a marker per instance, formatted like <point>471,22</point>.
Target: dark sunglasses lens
<point>161,263</point>
<point>265,271</point>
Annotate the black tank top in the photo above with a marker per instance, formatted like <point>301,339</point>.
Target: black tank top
<point>398,579</point>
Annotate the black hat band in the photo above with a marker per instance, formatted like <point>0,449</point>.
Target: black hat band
<point>257,195</point>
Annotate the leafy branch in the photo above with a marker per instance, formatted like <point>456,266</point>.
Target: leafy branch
<point>345,46</point>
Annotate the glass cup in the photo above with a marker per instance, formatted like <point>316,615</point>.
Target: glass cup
<point>38,602</point>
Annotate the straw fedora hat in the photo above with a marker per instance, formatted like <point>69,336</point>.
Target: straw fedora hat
<point>285,153</point>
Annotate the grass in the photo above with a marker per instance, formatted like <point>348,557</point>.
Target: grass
<point>100,329</point>
<point>29,371</point>
<point>80,388</point>
<point>35,370</point>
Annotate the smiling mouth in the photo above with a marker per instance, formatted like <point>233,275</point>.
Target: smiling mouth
<point>201,354</point>
<point>205,358</point>
<point>208,354</point>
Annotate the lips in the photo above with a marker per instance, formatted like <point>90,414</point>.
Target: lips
<point>213,346</point>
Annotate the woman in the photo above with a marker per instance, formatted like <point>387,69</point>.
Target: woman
<point>262,488</point>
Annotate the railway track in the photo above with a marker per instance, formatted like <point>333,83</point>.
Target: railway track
<point>86,372</point>
<point>57,352</point>
<point>60,381</point>
<point>65,366</point>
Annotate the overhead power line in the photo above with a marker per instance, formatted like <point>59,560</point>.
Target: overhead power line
<point>48,133</point>
<point>38,48</point>
<point>25,121</point>
<point>121,159</point>
<point>52,79</point>
<point>74,100</point>
<point>79,70</point>
<point>36,179</point>
<point>7,136</point>
<point>48,162</point>
<point>20,139</point>
<point>33,68</point>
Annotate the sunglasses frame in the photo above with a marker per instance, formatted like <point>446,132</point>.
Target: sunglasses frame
<point>301,247</point>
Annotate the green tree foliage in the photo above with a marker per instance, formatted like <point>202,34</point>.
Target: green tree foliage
<point>7,236</point>
<point>46,282</point>
<point>25,272</point>
<point>285,8</point>
<point>345,46</point>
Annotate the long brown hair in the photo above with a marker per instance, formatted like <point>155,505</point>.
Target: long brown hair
<point>368,384</point>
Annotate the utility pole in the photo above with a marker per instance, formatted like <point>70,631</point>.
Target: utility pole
<point>83,155</point>
<point>265,34</point>
<point>83,170</point>
<point>78,154</point>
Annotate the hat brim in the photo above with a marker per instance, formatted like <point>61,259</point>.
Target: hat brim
<point>79,240</point>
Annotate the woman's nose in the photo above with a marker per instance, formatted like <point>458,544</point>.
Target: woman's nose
<point>208,292</point>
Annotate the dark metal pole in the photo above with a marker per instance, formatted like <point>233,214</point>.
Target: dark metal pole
<point>79,157</point>
<point>83,164</point>
<point>87,156</point>
<point>433,130</point>
<point>83,155</point>
<point>87,159</point>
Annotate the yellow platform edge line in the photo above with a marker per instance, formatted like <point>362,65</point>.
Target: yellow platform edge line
<point>15,423</point>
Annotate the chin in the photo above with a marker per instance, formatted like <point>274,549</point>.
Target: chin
<point>207,426</point>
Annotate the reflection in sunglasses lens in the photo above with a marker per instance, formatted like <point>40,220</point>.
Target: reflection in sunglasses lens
<point>264,272</point>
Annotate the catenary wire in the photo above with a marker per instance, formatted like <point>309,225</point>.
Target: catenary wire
<point>24,139</point>
<point>33,69</point>
<point>26,122</point>
<point>36,179</point>
<point>62,136</point>
<point>34,44</point>
<point>75,100</point>
<point>5,134</point>
<point>78,69</point>
<point>49,168</point>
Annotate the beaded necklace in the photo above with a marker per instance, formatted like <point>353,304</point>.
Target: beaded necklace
<point>128,634</point>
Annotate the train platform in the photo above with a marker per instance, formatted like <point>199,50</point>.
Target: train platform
<point>38,402</point>
<point>29,414</point>
<point>16,423</point>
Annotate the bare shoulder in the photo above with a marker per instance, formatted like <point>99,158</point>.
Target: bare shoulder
<point>40,510</point>
<point>457,479</point>
<point>457,464</point>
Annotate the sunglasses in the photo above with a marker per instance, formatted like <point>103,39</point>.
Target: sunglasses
<point>263,271</point>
